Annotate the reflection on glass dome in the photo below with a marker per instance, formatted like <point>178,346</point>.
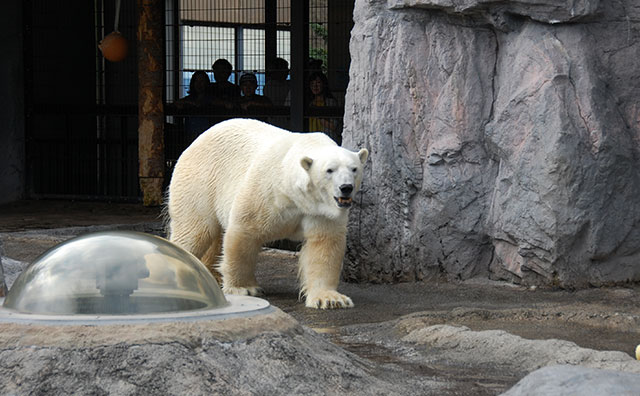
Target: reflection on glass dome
<point>115,273</point>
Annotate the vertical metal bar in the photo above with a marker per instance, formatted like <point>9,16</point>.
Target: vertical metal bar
<point>176,48</point>
<point>68,183</point>
<point>100,96</point>
<point>271,33</point>
<point>239,42</point>
<point>150,103</point>
<point>125,174</point>
<point>299,59</point>
<point>29,147</point>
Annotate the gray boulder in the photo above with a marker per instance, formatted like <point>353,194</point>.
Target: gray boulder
<point>504,141</point>
<point>574,380</point>
<point>3,282</point>
<point>11,269</point>
<point>268,354</point>
<point>489,347</point>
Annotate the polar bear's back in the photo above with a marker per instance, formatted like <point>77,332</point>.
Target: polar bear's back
<point>237,137</point>
<point>232,146</point>
<point>210,172</point>
<point>231,143</point>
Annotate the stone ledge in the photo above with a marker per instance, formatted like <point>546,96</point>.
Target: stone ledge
<point>542,11</point>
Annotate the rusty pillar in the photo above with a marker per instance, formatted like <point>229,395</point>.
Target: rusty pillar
<point>150,106</point>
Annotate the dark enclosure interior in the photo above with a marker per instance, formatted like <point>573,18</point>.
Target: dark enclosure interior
<point>81,109</point>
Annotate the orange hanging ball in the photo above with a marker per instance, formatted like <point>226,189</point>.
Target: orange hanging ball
<point>114,47</point>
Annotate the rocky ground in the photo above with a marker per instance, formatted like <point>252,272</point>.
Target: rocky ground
<point>469,338</point>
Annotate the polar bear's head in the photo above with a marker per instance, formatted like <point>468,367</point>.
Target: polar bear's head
<point>335,174</point>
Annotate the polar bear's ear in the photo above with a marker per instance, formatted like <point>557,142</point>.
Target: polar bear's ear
<point>303,177</point>
<point>363,154</point>
<point>306,163</point>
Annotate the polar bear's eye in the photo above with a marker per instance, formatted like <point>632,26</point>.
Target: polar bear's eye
<point>329,171</point>
<point>354,170</point>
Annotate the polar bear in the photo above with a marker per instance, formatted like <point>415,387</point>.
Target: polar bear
<point>243,183</point>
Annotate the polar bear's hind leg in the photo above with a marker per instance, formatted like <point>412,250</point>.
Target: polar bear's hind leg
<point>240,253</point>
<point>192,236</point>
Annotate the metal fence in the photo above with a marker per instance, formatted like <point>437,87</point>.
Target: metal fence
<point>81,109</point>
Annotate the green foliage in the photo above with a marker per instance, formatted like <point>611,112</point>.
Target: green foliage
<point>319,53</point>
<point>319,31</point>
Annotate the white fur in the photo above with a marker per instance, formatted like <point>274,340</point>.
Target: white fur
<point>260,183</point>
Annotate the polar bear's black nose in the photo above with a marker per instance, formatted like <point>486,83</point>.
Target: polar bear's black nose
<point>346,189</point>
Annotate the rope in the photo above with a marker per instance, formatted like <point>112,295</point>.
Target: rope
<point>115,24</point>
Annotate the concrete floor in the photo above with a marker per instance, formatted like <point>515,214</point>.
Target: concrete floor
<point>597,318</point>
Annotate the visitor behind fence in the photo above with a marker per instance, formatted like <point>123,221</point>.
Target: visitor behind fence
<point>198,100</point>
<point>250,101</point>
<point>319,95</point>
<point>277,87</point>
<point>222,90</point>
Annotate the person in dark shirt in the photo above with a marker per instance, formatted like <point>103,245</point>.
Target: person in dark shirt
<point>197,94</point>
<point>222,90</point>
<point>197,99</point>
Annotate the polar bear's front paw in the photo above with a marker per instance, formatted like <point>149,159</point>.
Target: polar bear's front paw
<point>242,291</point>
<point>328,299</point>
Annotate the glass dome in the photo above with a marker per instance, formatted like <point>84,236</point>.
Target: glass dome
<point>114,273</point>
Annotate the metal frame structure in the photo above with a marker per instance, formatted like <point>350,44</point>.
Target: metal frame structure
<point>84,143</point>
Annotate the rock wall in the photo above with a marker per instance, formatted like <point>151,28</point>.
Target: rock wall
<point>504,139</point>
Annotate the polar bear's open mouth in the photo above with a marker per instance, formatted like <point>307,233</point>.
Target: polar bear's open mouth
<point>343,202</point>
